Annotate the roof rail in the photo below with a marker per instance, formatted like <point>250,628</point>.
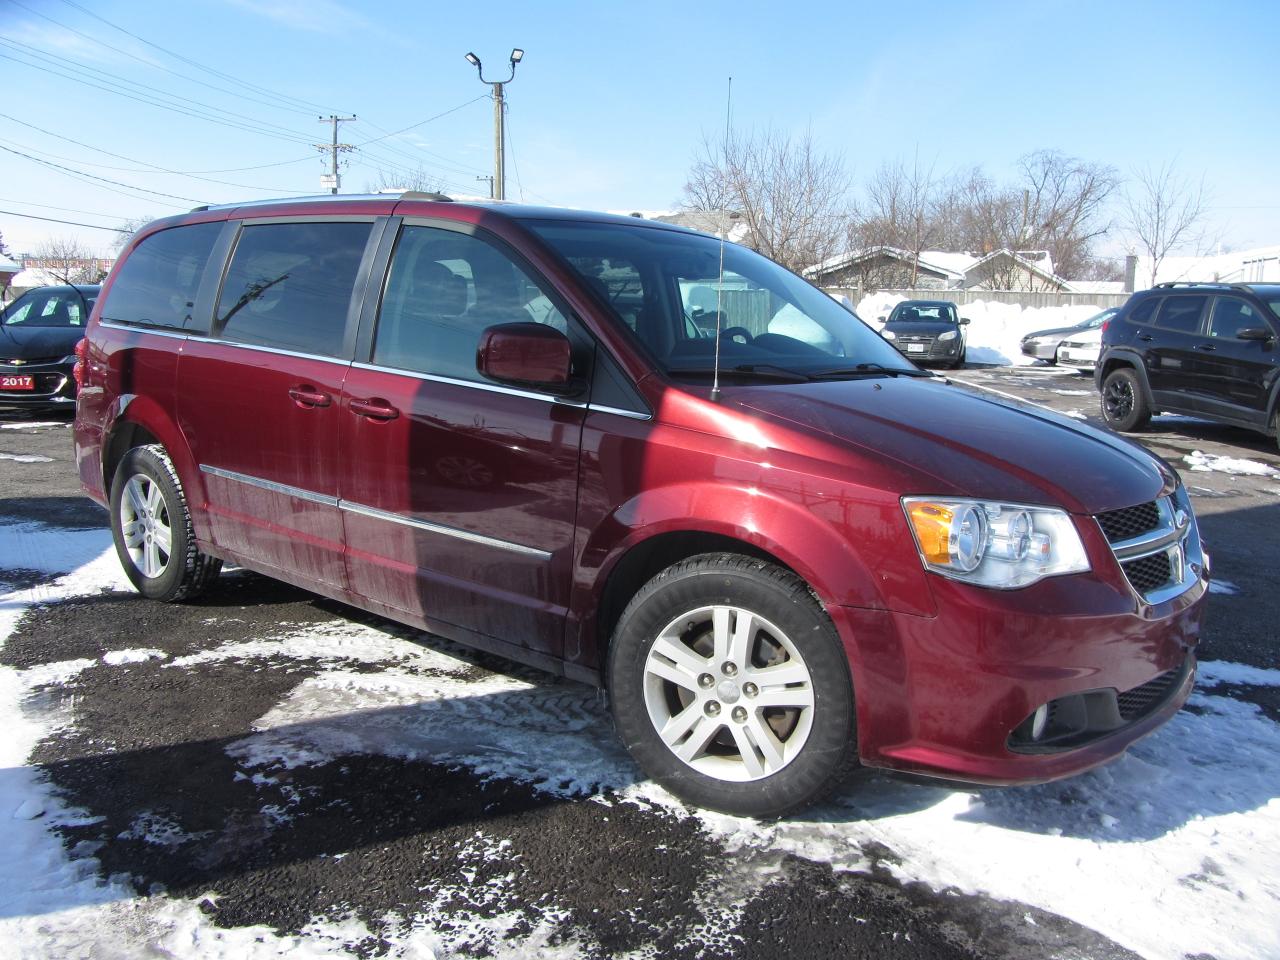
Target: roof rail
<point>1193,283</point>
<point>329,198</point>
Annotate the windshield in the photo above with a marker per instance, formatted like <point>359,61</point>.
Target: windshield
<point>1098,320</point>
<point>923,313</point>
<point>667,288</point>
<point>50,308</point>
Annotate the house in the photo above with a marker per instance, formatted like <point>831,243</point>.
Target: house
<point>8,270</point>
<point>884,267</point>
<point>1257,265</point>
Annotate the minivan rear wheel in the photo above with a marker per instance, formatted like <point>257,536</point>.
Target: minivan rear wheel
<point>729,686</point>
<point>152,528</point>
<point>1123,405</point>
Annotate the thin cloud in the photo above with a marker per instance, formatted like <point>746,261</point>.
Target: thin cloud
<point>316,16</point>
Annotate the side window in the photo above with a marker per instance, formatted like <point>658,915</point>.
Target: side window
<point>1231,315</point>
<point>156,285</point>
<point>1144,312</point>
<point>443,290</point>
<point>1181,313</point>
<point>289,285</point>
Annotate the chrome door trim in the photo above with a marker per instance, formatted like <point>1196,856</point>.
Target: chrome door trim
<point>284,488</point>
<point>475,385</point>
<point>440,528</point>
<point>374,512</point>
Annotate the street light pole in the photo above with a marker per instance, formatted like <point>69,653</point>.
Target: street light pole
<point>499,121</point>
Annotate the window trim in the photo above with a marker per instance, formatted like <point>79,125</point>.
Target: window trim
<point>580,338</point>
<point>355,303</point>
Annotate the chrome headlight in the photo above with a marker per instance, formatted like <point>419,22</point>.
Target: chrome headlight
<point>991,544</point>
<point>888,334</point>
<point>949,335</point>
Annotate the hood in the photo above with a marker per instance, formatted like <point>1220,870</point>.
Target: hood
<point>1085,336</point>
<point>1052,332</point>
<point>963,441</point>
<point>923,328</point>
<point>19,342</point>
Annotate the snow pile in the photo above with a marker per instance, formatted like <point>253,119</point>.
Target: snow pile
<point>995,330</point>
<point>1236,467</point>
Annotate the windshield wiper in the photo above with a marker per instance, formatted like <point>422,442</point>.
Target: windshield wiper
<point>765,371</point>
<point>870,370</point>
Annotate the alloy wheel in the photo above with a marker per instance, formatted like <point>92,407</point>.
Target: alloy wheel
<point>145,526</point>
<point>728,693</point>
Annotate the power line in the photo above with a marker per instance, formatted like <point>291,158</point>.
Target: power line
<point>91,176</point>
<point>153,64</point>
<point>200,66</point>
<point>73,223</point>
<point>145,93</point>
<point>49,206</point>
<point>146,166</point>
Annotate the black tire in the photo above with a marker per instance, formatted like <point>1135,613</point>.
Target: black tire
<point>961,360</point>
<point>181,572</point>
<point>818,739</point>
<point>1124,406</point>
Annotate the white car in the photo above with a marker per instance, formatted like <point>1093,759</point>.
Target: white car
<point>1081,350</point>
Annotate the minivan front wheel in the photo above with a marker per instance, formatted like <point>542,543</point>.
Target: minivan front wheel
<point>1123,405</point>
<point>729,687</point>
<point>152,528</point>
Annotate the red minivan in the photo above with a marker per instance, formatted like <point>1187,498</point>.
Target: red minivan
<point>645,458</point>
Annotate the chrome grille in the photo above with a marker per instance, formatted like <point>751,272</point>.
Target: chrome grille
<point>1156,544</point>
<point>1129,522</point>
<point>1149,572</point>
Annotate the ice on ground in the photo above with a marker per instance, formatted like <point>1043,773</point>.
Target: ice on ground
<point>1211,672</point>
<point>1169,850</point>
<point>1224,587</point>
<point>22,425</point>
<point>1075,414</point>
<point>117,657</point>
<point>25,458</point>
<point>1075,393</point>
<point>1236,467</point>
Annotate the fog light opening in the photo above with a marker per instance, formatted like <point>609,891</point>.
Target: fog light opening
<point>1039,720</point>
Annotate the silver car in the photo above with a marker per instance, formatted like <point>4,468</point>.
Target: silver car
<point>1043,344</point>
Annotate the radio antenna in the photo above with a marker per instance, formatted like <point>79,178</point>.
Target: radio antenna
<point>715,370</point>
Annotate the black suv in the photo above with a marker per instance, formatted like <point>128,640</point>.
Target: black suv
<point>1202,349</point>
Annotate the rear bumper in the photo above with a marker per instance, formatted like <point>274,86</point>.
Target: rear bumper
<point>943,696</point>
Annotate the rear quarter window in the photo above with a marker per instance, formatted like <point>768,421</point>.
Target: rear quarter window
<point>1144,312</point>
<point>1181,313</point>
<point>156,285</point>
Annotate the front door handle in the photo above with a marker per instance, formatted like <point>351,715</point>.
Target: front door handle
<point>1145,338</point>
<point>374,408</point>
<point>1205,347</point>
<point>305,395</point>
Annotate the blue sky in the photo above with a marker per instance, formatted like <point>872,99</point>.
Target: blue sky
<point>611,101</point>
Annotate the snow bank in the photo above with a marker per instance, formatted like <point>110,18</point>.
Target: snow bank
<point>996,329</point>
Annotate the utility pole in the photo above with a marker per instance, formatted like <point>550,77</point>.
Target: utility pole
<point>489,180</point>
<point>332,180</point>
<point>499,121</point>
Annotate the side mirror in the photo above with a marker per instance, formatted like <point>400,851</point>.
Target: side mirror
<point>881,319</point>
<point>964,321</point>
<point>1254,333</point>
<point>526,354</point>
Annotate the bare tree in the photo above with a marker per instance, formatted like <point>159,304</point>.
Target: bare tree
<point>1164,211</point>
<point>792,198</point>
<point>67,260</point>
<point>127,229</point>
<point>1064,207</point>
<point>903,210</point>
<point>418,180</point>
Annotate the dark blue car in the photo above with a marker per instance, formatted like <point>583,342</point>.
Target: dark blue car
<point>38,336</point>
<point>927,331</point>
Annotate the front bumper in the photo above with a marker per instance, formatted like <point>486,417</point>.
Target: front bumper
<point>948,696</point>
<point>1040,351</point>
<point>1081,357</point>
<point>55,388</point>
<point>931,351</point>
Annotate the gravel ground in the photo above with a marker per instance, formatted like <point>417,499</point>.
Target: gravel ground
<point>157,751</point>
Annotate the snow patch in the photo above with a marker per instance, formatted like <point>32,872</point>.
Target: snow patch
<point>22,425</point>
<point>1224,587</point>
<point>117,657</point>
<point>1210,672</point>
<point>1204,462</point>
<point>25,458</point>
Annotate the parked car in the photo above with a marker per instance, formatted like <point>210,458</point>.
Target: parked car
<point>1043,344</point>
<point>927,331</point>
<point>808,554</point>
<point>38,336</point>
<point>1207,350</point>
<point>1081,350</point>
